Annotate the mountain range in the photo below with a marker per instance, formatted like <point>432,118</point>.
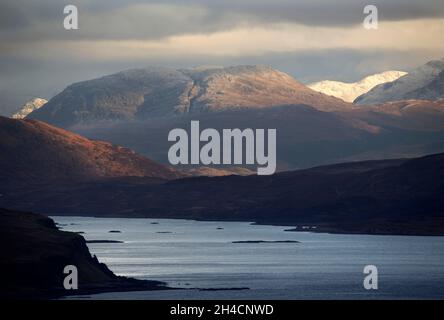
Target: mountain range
<point>137,109</point>
<point>350,91</point>
<point>152,92</point>
<point>425,82</point>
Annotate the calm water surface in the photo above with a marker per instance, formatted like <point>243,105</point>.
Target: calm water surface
<point>195,254</point>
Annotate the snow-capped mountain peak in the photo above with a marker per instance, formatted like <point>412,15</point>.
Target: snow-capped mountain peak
<point>350,91</point>
<point>29,107</point>
<point>424,82</point>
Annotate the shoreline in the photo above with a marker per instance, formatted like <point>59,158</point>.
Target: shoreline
<point>129,285</point>
<point>34,242</point>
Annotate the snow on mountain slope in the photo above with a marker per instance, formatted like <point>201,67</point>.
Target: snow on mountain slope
<point>350,91</point>
<point>420,83</point>
<point>29,107</point>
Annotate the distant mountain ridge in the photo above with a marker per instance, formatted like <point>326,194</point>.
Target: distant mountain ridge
<point>417,115</point>
<point>424,82</point>
<point>145,93</point>
<point>350,91</point>
<point>399,196</point>
<point>434,90</point>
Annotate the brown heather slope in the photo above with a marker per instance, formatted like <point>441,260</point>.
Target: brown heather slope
<point>33,150</point>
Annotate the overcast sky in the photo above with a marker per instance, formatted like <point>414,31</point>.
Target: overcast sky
<point>309,39</point>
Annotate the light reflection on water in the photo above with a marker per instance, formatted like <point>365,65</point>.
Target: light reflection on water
<point>195,254</point>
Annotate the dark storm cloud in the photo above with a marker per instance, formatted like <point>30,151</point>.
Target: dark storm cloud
<point>135,19</point>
